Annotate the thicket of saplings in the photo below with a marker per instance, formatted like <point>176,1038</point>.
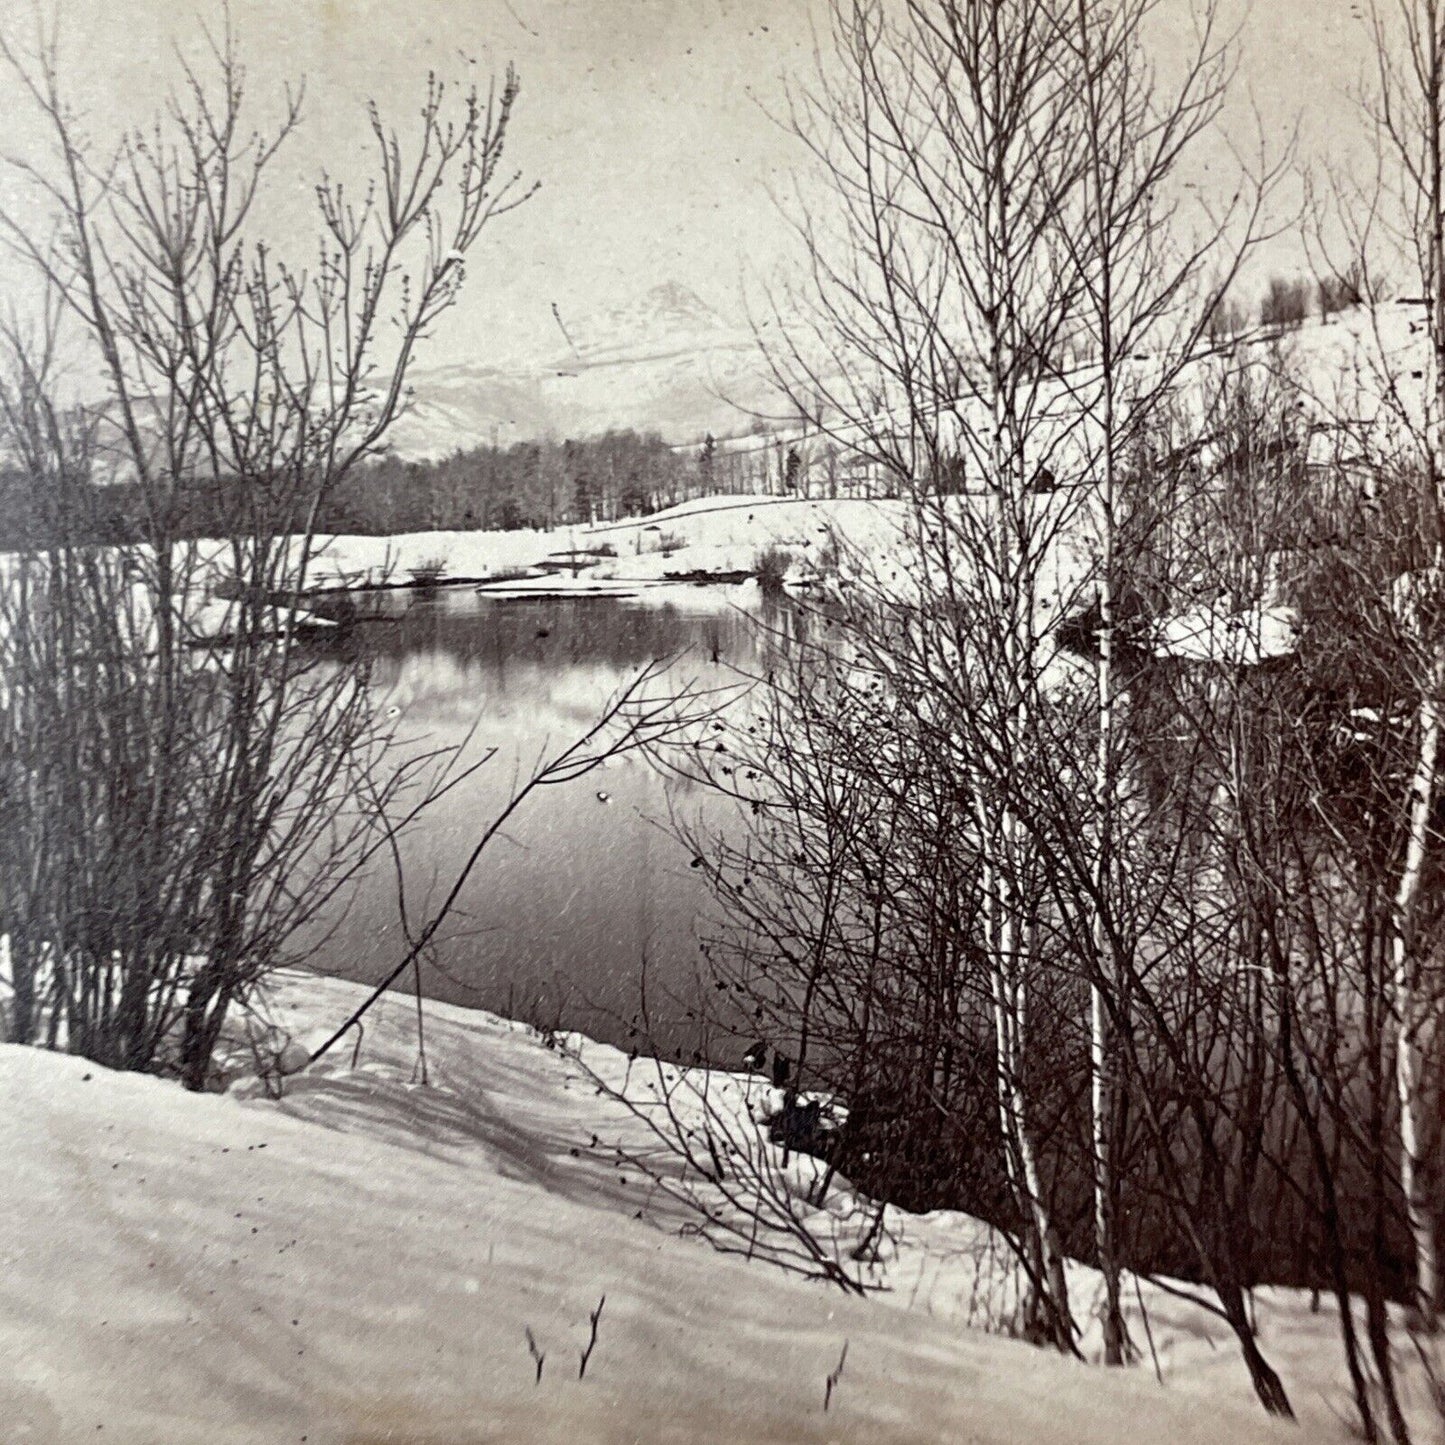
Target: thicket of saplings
<point>178,810</point>
<point>182,803</point>
<point>1258,844</point>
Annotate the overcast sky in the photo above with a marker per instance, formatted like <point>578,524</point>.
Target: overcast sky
<point>646,121</point>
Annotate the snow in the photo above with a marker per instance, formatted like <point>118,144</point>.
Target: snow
<point>1244,638</point>
<point>1341,364</point>
<point>710,534</point>
<point>215,619</point>
<point>362,1260</point>
<point>664,363</point>
<point>868,540</point>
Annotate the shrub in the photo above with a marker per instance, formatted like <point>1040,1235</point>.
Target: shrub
<point>429,572</point>
<point>1226,320</point>
<point>1354,286</point>
<point>1340,291</point>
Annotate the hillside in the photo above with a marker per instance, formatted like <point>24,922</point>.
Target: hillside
<point>362,1261</point>
<point>666,363</point>
<point>670,364</point>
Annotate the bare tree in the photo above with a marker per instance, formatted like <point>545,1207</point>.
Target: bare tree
<point>1408,110</point>
<point>1003,173</point>
<point>234,755</point>
<point>954,148</point>
<point>1138,293</point>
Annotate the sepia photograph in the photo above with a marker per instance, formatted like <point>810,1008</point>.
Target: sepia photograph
<point>721,721</point>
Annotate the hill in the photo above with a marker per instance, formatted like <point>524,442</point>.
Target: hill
<point>363,1261</point>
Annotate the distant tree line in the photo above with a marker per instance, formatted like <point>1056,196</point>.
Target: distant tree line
<point>532,484</point>
<point>540,484</point>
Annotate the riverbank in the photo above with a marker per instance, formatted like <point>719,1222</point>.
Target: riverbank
<point>786,545</point>
<point>371,1260</point>
<point>712,539</point>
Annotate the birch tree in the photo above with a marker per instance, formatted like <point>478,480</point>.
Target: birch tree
<point>1140,319</point>
<point>1408,112</point>
<point>1005,174</point>
<point>940,300</point>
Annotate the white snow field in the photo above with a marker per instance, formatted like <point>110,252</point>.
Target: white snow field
<point>363,1261</point>
<point>714,534</point>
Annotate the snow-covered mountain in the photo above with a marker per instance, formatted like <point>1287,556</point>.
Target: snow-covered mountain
<point>666,315</point>
<point>665,362</point>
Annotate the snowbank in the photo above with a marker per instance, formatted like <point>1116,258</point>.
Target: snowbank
<point>362,1262</point>
<point>709,534</point>
<point>1243,639</point>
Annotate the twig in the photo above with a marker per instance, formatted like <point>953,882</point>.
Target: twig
<point>420,1066</point>
<point>592,1339</point>
<point>1148,1330</point>
<point>539,1356</point>
<point>834,1377</point>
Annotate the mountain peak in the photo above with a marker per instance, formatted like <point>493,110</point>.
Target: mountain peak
<point>661,361</point>
<point>667,310</point>
<point>673,296</point>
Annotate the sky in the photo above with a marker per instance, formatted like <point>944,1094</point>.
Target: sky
<point>651,125</point>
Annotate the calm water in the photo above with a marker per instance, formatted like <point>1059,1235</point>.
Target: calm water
<point>588,886</point>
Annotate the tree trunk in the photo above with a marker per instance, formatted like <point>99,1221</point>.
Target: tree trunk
<point>1116,1343</point>
<point>1411,1020</point>
<point>22,979</point>
<point>1267,1384</point>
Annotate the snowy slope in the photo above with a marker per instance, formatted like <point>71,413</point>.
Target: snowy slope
<point>361,1263</point>
<point>867,541</point>
<point>721,534</point>
<point>668,363</point>
<point>665,363</point>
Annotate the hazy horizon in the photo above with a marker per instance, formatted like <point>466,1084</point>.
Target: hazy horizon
<point>650,124</point>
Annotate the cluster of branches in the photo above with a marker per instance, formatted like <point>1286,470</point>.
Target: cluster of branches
<point>184,790</point>
<point>1102,894</point>
<point>1249,1018</point>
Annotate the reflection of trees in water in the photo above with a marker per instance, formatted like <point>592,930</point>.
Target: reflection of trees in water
<point>590,881</point>
<point>444,685</point>
<point>448,658</point>
<point>496,636</point>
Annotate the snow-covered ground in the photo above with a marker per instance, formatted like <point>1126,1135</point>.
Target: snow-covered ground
<point>728,535</point>
<point>709,534</point>
<point>363,1261</point>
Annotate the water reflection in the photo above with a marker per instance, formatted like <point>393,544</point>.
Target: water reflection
<point>587,886</point>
